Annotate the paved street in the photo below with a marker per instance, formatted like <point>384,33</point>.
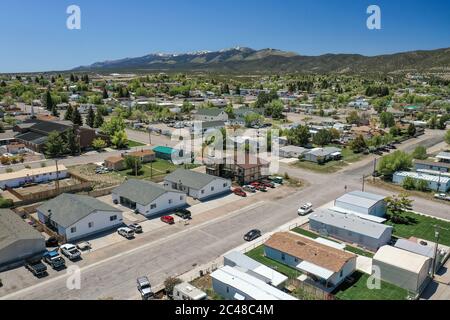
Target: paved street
<point>111,273</point>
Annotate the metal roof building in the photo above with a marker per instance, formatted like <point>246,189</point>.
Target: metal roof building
<point>362,202</point>
<point>233,284</point>
<point>246,264</point>
<point>351,228</point>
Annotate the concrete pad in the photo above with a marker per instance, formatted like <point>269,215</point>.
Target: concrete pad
<point>288,160</point>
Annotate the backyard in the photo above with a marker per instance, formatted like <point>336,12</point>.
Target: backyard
<point>258,255</point>
<point>348,156</point>
<point>133,144</point>
<point>423,227</point>
<point>358,290</point>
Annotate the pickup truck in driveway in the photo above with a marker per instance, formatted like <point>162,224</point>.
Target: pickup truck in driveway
<point>54,260</point>
<point>70,251</point>
<point>37,268</point>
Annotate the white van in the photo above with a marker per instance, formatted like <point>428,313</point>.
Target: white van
<point>126,232</point>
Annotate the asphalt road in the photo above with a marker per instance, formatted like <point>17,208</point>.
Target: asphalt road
<point>175,251</point>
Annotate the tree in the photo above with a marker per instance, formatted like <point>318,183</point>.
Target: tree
<point>409,183</point>
<point>397,161</point>
<point>98,144</point>
<point>170,284</point>
<point>133,163</point>
<point>387,119</point>
<point>98,122</point>
<point>420,153</point>
<point>353,118</point>
<point>76,118</point>
<point>105,93</point>
<point>322,138</point>
<point>422,185</point>
<point>397,205</point>
<point>48,100</point>
<point>90,119</point>
<point>299,136</point>
<point>115,124</point>
<point>72,145</point>
<point>447,137</point>
<point>119,139</point>
<point>55,112</point>
<point>69,113</point>
<point>412,130</point>
<point>187,107</point>
<point>358,144</point>
<point>274,109</point>
<point>252,118</point>
<point>55,146</point>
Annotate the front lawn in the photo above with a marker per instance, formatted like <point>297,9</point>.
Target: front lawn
<point>258,255</point>
<point>359,251</point>
<point>358,290</point>
<point>132,144</point>
<point>305,233</point>
<point>422,227</point>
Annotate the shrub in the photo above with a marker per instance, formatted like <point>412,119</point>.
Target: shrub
<point>409,183</point>
<point>422,185</point>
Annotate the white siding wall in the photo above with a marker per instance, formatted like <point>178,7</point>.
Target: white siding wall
<point>13,183</point>
<point>168,201</point>
<point>101,221</point>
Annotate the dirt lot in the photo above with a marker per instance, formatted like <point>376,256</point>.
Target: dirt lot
<point>46,186</point>
<point>99,181</point>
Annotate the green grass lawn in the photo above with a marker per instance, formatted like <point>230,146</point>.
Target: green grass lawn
<point>422,227</point>
<point>359,251</point>
<point>132,144</point>
<point>258,255</point>
<point>305,233</point>
<point>358,290</point>
<point>348,156</point>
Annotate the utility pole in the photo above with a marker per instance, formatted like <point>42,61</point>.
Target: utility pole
<point>57,177</point>
<point>363,180</point>
<point>436,235</point>
<point>150,136</point>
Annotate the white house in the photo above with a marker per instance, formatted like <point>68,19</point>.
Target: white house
<point>233,284</point>
<point>292,152</point>
<point>211,114</point>
<point>196,185</point>
<point>362,203</point>
<point>437,182</point>
<point>147,197</point>
<point>76,216</point>
<point>38,175</point>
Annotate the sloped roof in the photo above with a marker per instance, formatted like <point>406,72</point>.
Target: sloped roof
<point>361,199</point>
<point>308,250</point>
<point>13,228</point>
<point>140,191</point>
<point>67,209</point>
<point>191,179</point>
<point>401,258</point>
<point>210,112</point>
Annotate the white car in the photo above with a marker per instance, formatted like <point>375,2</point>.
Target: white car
<point>126,232</point>
<point>70,251</point>
<point>305,209</point>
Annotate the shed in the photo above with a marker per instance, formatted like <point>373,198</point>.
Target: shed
<point>362,202</point>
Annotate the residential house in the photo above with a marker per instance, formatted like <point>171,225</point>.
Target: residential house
<point>402,268</point>
<point>423,248</point>
<point>197,185</point>
<point>201,128</point>
<point>116,163</point>
<point>16,148</point>
<point>211,114</point>
<point>148,198</point>
<point>362,203</point>
<point>167,153</point>
<point>252,267</point>
<point>144,155</point>
<point>18,240</point>
<point>438,182</point>
<point>22,177</point>
<point>233,284</point>
<point>292,152</point>
<point>322,155</point>
<point>430,165</point>
<point>78,216</point>
<point>443,157</point>
<point>351,228</point>
<point>324,266</point>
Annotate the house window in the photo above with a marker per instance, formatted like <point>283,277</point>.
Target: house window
<point>225,185</point>
<point>283,256</point>
<point>170,201</point>
<point>73,229</point>
<point>153,206</point>
<point>113,218</point>
<point>342,273</point>
<point>228,290</point>
<point>90,224</point>
<point>181,198</point>
<point>212,188</point>
<point>203,191</point>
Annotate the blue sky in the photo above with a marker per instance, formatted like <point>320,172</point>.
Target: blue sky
<point>34,36</point>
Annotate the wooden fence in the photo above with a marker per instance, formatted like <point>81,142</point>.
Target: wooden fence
<point>305,291</point>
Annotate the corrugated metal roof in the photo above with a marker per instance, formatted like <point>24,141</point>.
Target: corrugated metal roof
<point>360,199</point>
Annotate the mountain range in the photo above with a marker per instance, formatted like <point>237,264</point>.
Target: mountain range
<point>247,60</point>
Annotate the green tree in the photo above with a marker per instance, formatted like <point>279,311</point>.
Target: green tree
<point>353,118</point>
<point>447,137</point>
<point>409,183</point>
<point>412,130</point>
<point>105,93</point>
<point>420,153</point>
<point>299,136</point>
<point>397,161</point>
<point>387,119</point>
<point>422,185</point>
<point>69,113</point>
<point>76,118</point>
<point>98,122</point>
<point>90,119</point>
<point>55,145</point>
<point>114,125</point>
<point>274,109</point>
<point>133,163</point>
<point>358,144</point>
<point>397,205</point>
<point>98,144</point>
<point>55,112</point>
<point>49,100</point>
<point>322,138</point>
<point>72,145</point>
<point>119,139</point>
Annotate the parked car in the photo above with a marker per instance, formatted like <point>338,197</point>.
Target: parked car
<point>258,186</point>
<point>70,251</point>
<point>249,188</point>
<point>442,196</point>
<point>51,242</point>
<point>305,209</point>
<point>168,219</point>
<point>144,287</point>
<point>376,174</point>
<point>239,192</point>
<point>126,232</point>
<point>183,214</point>
<point>137,228</point>
<point>37,268</point>
<point>267,184</point>
<point>252,235</point>
<point>83,246</point>
<point>276,179</point>
<point>54,260</point>
<point>115,201</point>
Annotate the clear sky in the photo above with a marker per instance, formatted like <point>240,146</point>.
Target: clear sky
<point>34,36</point>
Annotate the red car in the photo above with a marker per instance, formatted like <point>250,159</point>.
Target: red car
<point>267,184</point>
<point>168,219</point>
<point>259,186</point>
<point>239,192</point>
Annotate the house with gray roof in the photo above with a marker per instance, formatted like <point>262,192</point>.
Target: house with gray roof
<point>18,240</point>
<point>292,152</point>
<point>210,114</point>
<point>362,203</point>
<point>322,155</point>
<point>78,216</point>
<point>197,185</point>
<point>351,228</point>
<point>148,198</point>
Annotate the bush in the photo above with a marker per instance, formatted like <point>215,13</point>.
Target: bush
<point>169,284</point>
<point>6,203</point>
<point>409,183</point>
<point>422,185</point>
